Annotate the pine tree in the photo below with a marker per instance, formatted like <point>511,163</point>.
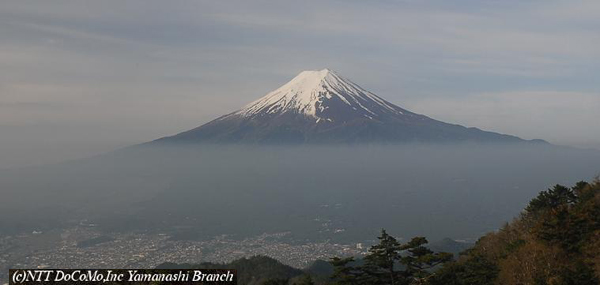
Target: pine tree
<point>382,258</point>
<point>390,263</point>
<point>343,272</point>
<point>421,259</point>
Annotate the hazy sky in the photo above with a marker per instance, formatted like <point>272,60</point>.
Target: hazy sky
<point>83,77</point>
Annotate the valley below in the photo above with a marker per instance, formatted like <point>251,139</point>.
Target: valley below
<point>143,206</point>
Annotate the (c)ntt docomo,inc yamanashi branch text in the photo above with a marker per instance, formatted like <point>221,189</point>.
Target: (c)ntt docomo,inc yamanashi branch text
<point>139,276</point>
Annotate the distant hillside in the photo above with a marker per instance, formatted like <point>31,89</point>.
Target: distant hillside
<point>450,245</point>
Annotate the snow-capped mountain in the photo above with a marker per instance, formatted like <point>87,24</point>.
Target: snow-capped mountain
<point>323,96</point>
<point>323,107</point>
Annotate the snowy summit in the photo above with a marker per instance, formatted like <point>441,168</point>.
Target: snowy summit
<point>313,93</point>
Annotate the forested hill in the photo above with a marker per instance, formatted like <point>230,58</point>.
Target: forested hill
<point>555,241</point>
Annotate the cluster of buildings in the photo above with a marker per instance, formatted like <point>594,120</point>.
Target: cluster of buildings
<point>135,250</point>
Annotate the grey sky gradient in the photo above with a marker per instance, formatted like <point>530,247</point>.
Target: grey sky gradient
<point>82,77</point>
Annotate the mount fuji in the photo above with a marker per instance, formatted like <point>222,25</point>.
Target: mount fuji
<point>324,107</point>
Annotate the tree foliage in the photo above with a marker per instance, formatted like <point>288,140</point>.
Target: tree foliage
<point>555,241</point>
<point>390,262</point>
